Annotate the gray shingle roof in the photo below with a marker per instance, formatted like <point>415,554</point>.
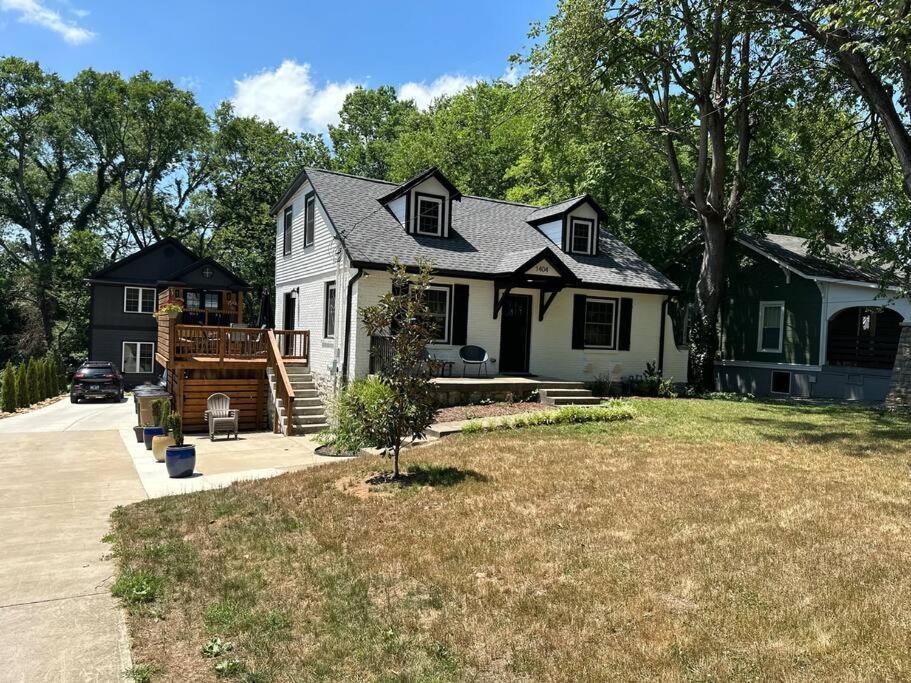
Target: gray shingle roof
<point>839,263</point>
<point>485,235</point>
<point>554,210</point>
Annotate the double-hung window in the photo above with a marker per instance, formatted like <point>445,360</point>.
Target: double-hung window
<point>437,301</point>
<point>580,236</point>
<point>309,218</point>
<point>430,215</point>
<point>601,323</point>
<point>329,311</point>
<point>286,234</point>
<point>138,357</point>
<point>771,326</point>
<point>138,300</point>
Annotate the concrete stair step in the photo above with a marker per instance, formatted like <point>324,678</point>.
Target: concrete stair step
<point>556,384</point>
<point>307,410</point>
<point>308,419</point>
<point>564,393</point>
<point>570,400</point>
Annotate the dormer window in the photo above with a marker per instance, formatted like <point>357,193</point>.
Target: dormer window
<point>429,215</point>
<point>580,235</point>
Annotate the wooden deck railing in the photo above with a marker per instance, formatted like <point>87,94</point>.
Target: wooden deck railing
<point>283,390</point>
<point>209,316</point>
<point>294,343</point>
<point>192,341</point>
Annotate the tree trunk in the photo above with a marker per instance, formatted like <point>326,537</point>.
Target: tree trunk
<point>704,329</point>
<point>46,303</point>
<point>395,461</point>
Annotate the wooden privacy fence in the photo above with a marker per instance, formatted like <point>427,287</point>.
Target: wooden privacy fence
<point>248,395</point>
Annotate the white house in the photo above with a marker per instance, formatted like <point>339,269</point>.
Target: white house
<point>546,291</point>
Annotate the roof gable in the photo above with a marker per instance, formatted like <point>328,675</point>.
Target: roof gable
<point>149,263</point>
<point>562,208</point>
<point>194,275</point>
<point>432,172</point>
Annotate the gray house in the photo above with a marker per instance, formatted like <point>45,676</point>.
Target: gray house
<point>124,299</point>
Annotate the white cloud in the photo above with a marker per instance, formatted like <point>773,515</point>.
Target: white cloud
<point>288,97</point>
<point>33,12</point>
<point>447,84</point>
<point>511,75</point>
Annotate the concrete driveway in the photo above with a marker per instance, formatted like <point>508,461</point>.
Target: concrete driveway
<point>64,468</point>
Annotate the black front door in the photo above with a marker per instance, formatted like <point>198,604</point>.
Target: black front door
<point>290,306</point>
<point>515,333</point>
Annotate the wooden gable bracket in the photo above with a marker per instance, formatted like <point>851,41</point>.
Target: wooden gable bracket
<point>499,298</point>
<point>546,299</point>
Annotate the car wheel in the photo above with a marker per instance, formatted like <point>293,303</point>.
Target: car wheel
<point>73,399</point>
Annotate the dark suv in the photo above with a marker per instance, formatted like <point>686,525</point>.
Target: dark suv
<point>96,379</point>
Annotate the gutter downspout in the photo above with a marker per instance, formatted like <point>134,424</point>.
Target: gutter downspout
<point>348,295</point>
<point>661,329</point>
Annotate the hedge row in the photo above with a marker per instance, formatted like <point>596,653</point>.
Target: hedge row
<point>611,411</point>
<point>30,382</point>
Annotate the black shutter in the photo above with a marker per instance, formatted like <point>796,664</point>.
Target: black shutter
<point>626,323</point>
<point>579,321</point>
<point>460,315</point>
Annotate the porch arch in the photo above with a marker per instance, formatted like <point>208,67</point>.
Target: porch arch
<point>863,337</point>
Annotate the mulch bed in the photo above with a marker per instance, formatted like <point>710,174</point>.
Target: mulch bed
<point>481,411</point>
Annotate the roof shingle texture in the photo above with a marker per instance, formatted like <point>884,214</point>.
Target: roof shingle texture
<point>840,263</point>
<point>485,238</point>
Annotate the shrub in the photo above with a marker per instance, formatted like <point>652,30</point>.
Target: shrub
<point>653,383</point>
<point>33,375</point>
<point>51,386</point>
<point>8,402</point>
<point>600,385</point>
<point>612,411</point>
<point>175,426</point>
<point>161,413</point>
<point>22,394</point>
<point>357,415</point>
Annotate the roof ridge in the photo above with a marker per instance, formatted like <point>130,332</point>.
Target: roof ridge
<point>503,201</point>
<point>349,175</point>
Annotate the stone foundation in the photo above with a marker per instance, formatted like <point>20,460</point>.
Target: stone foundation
<point>900,387</point>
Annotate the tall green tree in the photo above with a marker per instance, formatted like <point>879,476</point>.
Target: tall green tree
<point>8,403</point>
<point>51,133</point>
<point>704,68</point>
<point>253,161</point>
<point>370,123</point>
<point>33,378</point>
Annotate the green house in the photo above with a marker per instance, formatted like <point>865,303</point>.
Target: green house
<point>793,323</point>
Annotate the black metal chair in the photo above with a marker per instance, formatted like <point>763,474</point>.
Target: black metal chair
<point>474,355</point>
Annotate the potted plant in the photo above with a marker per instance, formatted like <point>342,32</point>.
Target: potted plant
<point>180,459</point>
<point>172,309</point>
<point>162,409</point>
<point>149,432</point>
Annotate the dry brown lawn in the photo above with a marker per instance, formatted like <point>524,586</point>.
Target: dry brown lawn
<point>701,540</point>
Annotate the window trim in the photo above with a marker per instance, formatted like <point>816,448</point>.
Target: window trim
<point>330,284</point>
<point>309,219</point>
<point>763,306</point>
<point>447,328</point>
<point>136,370</point>
<point>588,223</point>
<point>436,199</point>
<point>287,229</point>
<point>615,302</point>
<point>772,382</point>
<point>141,290</point>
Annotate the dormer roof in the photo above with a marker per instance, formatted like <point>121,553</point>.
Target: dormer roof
<point>488,238</point>
<point>559,209</point>
<point>432,172</point>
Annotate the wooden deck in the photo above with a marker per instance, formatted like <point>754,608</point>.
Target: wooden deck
<point>204,359</point>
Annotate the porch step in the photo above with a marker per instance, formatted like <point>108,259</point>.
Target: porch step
<point>307,410</point>
<point>566,394</point>
<point>571,401</point>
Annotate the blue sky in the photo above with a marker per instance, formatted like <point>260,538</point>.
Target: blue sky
<point>290,61</point>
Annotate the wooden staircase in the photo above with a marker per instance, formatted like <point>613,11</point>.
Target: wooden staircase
<point>566,394</point>
<point>308,415</point>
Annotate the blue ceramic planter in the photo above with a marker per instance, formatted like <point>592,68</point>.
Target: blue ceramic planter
<point>180,461</point>
<point>148,433</point>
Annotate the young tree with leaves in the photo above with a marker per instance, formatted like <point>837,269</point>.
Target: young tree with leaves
<point>402,315</point>
<point>8,389</point>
